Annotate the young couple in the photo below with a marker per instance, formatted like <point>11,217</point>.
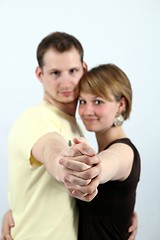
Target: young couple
<point>46,176</point>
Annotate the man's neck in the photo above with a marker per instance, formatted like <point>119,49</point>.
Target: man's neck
<point>68,108</point>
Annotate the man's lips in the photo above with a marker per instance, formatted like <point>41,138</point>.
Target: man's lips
<point>67,93</point>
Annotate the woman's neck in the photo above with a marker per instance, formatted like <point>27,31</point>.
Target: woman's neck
<point>104,138</point>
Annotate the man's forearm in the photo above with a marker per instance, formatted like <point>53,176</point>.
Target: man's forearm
<point>47,150</point>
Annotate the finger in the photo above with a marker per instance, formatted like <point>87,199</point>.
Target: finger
<point>70,152</point>
<point>84,197</point>
<point>89,174</point>
<point>79,163</point>
<point>87,189</point>
<point>6,236</point>
<point>132,229</point>
<point>74,164</point>
<point>11,221</point>
<point>134,223</point>
<point>77,140</point>
<point>84,148</point>
<point>71,181</point>
<point>133,235</point>
<point>7,224</point>
<point>91,187</point>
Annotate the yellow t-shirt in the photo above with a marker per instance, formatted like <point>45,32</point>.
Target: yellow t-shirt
<point>42,208</point>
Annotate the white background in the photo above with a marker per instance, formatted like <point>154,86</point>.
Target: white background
<point>124,32</point>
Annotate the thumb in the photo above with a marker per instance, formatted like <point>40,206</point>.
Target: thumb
<point>82,145</point>
<point>77,140</point>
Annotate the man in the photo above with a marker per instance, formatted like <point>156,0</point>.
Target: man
<point>41,206</point>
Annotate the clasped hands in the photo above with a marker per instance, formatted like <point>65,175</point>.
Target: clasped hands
<point>81,170</point>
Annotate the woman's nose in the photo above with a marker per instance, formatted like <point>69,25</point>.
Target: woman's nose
<point>89,109</point>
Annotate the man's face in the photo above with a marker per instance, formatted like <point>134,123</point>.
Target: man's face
<point>60,75</point>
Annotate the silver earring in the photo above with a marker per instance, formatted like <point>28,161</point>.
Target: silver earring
<point>118,121</point>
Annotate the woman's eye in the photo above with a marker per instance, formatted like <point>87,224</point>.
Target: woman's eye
<point>81,102</point>
<point>97,102</point>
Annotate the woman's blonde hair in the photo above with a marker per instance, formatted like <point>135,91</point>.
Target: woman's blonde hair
<point>107,79</point>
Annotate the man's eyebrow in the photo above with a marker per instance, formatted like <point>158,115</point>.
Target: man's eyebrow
<point>54,69</point>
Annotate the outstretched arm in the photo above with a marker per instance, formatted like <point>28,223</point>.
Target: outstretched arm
<point>115,163</point>
<point>48,150</point>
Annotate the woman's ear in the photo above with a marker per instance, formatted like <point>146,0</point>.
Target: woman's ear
<point>38,73</point>
<point>122,105</point>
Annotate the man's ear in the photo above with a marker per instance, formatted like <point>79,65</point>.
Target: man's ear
<point>85,67</point>
<point>38,73</point>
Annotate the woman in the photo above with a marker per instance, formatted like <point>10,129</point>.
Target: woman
<point>104,104</point>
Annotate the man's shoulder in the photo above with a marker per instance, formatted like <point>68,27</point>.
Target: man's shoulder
<point>36,110</point>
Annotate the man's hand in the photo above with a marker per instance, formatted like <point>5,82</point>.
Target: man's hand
<point>7,224</point>
<point>133,228</point>
<point>82,169</point>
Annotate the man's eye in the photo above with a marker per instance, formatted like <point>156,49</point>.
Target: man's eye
<point>73,70</point>
<point>56,73</point>
<point>81,102</point>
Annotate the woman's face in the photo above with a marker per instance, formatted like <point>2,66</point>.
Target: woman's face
<point>96,112</point>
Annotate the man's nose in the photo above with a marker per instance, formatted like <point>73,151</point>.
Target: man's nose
<point>65,79</point>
